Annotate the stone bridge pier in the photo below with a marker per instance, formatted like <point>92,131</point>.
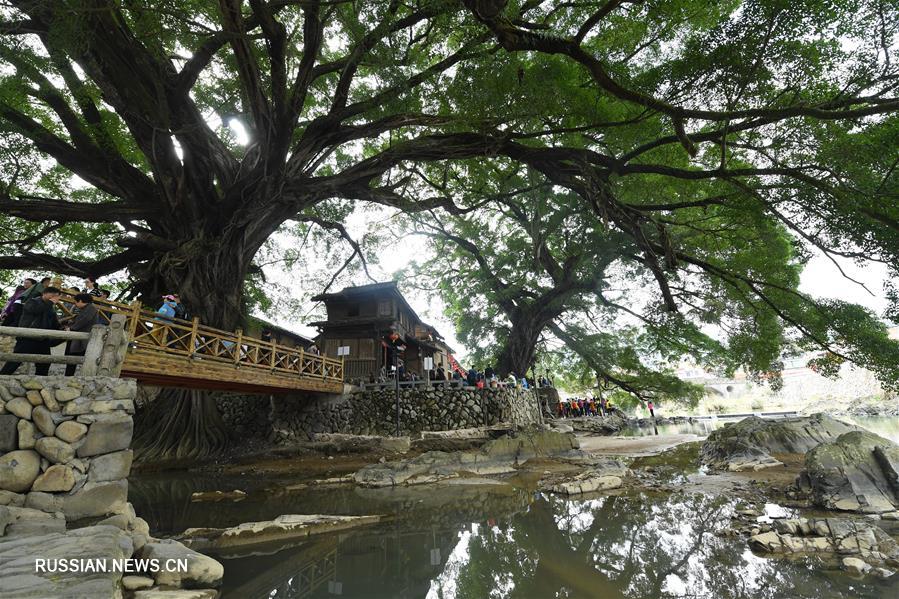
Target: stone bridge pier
<point>65,457</point>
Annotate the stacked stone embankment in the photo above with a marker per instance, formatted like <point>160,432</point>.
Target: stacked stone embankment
<point>65,442</point>
<point>373,412</point>
<point>65,457</point>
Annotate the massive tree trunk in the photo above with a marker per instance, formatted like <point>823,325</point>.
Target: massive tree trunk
<point>207,273</point>
<point>183,424</point>
<point>520,347</point>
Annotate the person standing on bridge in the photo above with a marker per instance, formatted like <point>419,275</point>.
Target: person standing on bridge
<point>84,320</point>
<point>37,313</point>
<point>167,309</point>
<point>180,310</point>
<point>11,310</point>
<point>166,314</point>
<point>90,286</point>
<point>651,408</point>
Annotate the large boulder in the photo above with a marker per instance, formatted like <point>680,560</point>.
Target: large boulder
<point>108,433</point>
<point>71,431</point>
<point>28,521</point>
<point>20,407</point>
<point>112,466</point>
<point>58,478</point>
<point>18,469</point>
<point>750,443</point>
<point>96,499</point>
<point>27,434</point>
<point>600,425</point>
<point>858,471</point>
<point>55,450</point>
<point>201,572</point>
<point>24,578</point>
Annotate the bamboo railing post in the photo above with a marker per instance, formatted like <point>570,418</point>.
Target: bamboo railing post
<point>238,348</point>
<point>135,317</point>
<point>272,361</point>
<point>191,348</point>
<point>301,365</point>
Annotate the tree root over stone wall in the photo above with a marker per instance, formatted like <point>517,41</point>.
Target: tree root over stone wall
<point>179,424</point>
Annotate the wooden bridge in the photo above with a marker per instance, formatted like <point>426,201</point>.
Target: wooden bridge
<point>170,352</point>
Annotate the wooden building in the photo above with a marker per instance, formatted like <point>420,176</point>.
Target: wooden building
<point>256,327</point>
<point>364,319</point>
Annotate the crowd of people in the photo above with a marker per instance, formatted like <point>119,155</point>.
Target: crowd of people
<point>472,377</point>
<point>584,406</point>
<point>33,305</point>
<point>488,378</point>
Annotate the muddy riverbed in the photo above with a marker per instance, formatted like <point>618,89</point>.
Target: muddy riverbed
<point>668,533</point>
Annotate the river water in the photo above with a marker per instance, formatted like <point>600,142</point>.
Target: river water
<point>506,541</point>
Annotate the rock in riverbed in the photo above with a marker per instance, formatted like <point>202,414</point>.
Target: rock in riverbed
<point>235,495</point>
<point>832,539</point>
<point>598,474</point>
<point>859,471</point>
<point>498,456</point>
<point>599,425</point>
<point>749,443</point>
<point>202,571</point>
<point>286,528</point>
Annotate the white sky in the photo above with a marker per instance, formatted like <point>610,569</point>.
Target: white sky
<point>821,278</point>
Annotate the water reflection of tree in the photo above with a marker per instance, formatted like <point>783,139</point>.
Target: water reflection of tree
<point>616,547</point>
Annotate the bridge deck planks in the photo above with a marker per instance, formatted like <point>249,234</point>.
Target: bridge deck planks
<point>157,368</point>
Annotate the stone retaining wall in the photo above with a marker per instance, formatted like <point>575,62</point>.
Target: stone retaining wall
<point>421,409</point>
<point>244,414</point>
<point>65,443</point>
<point>64,462</point>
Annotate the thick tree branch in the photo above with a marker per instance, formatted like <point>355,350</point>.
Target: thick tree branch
<point>45,209</point>
<point>68,266</point>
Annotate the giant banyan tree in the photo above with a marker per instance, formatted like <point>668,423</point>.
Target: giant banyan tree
<point>172,139</point>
